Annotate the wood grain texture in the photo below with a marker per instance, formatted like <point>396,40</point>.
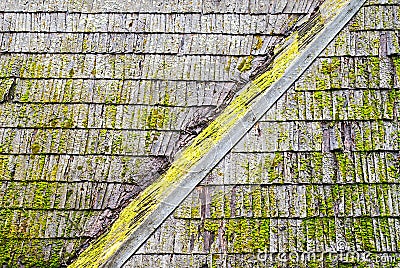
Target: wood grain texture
<point>276,193</point>
<point>143,216</point>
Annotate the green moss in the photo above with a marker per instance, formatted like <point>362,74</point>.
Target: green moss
<point>311,200</point>
<point>322,100</point>
<point>396,62</point>
<point>340,104</point>
<point>374,63</point>
<point>85,45</point>
<point>390,102</point>
<point>247,202</point>
<point>195,212</point>
<point>346,166</point>
<point>329,67</point>
<point>111,115</point>
<point>68,91</point>
<point>316,161</point>
<point>331,230</point>
<point>227,206</point>
<point>321,83</point>
<point>29,252</point>
<point>311,228</point>
<point>71,72</point>
<point>35,148</point>
<point>113,95</point>
<point>217,205</point>
<point>7,144</point>
<point>256,202</point>
<point>231,228</point>
<point>117,143</point>
<point>275,167</point>
<point>246,170</point>
<point>211,225</point>
<point>68,123</point>
<point>228,65</point>
<point>254,237</point>
<point>282,137</point>
<point>258,45</point>
<point>5,85</point>
<point>26,94</point>
<point>392,167</point>
<point>320,231</point>
<point>62,144</point>
<point>264,241</point>
<point>42,196</point>
<point>155,119</point>
<point>340,42</point>
<point>245,64</point>
<point>362,71</point>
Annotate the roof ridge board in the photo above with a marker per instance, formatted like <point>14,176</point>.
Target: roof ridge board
<point>143,216</point>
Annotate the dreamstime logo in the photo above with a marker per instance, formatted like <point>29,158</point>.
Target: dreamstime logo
<point>341,255</point>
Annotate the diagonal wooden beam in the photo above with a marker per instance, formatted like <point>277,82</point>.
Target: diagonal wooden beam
<point>148,211</point>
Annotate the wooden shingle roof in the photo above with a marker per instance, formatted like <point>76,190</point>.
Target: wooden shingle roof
<point>100,99</point>
<point>96,99</point>
<point>314,183</point>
